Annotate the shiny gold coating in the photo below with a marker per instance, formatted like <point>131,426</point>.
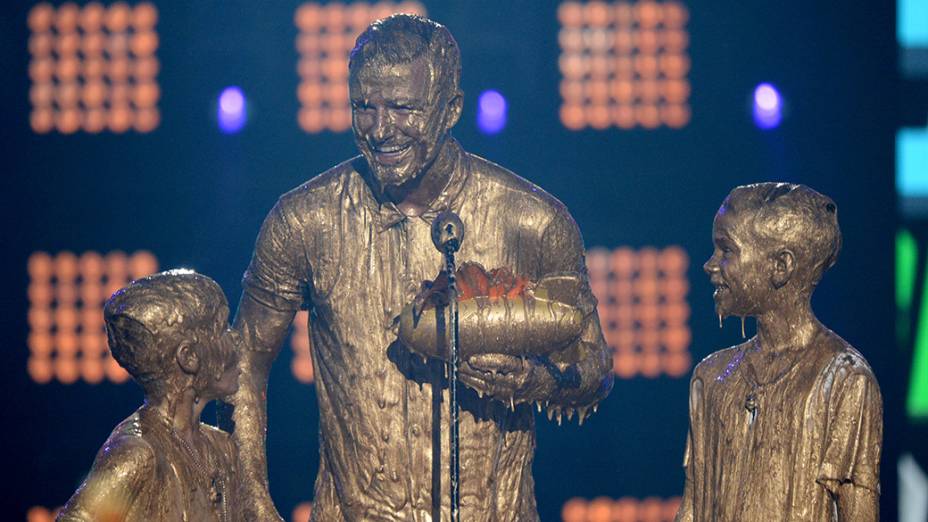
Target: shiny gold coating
<point>170,332</point>
<point>787,425</point>
<point>352,245</point>
<point>520,326</point>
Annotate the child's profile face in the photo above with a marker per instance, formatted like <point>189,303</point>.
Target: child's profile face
<point>738,267</point>
<point>223,360</point>
<point>227,384</point>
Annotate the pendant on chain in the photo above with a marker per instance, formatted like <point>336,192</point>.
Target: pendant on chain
<point>750,404</point>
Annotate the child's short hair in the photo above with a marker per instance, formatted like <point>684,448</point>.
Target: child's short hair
<point>794,216</point>
<point>154,314</point>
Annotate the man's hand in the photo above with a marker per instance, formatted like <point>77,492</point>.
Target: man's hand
<point>506,378</point>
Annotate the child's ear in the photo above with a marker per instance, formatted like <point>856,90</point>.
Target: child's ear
<point>188,358</point>
<point>784,264</point>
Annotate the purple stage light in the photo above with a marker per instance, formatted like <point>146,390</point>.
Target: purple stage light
<point>768,106</point>
<point>491,112</point>
<point>231,111</point>
<point>766,97</point>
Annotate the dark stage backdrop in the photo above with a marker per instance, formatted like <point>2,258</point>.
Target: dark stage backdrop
<point>195,197</point>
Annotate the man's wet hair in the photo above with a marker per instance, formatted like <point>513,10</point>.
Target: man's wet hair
<point>402,39</point>
<point>148,319</point>
<point>795,217</point>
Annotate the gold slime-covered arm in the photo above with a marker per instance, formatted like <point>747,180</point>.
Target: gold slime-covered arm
<point>589,358</point>
<point>264,328</point>
<point>273,291</point>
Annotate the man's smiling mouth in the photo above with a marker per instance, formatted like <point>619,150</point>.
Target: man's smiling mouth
<point>389,154</point>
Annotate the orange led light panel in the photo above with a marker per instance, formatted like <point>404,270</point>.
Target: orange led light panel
<point>42,514</point>
<point>302,363</point>
<point>626,509</point>
<point>302,512</point>
<point>624,64</point>
<point>93,68</point>
<point>643,309</point>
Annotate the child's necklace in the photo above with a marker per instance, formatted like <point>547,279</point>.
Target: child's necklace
<point>751,403</point>
<point>216,482</point>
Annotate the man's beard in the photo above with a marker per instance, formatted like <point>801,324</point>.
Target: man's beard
<point>388,177</point>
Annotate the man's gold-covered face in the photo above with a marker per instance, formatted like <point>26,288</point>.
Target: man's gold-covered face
<point>399,123</point>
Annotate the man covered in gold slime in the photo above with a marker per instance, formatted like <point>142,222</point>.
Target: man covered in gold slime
<point>788,425</point>
<point>170,331</point>
<point>353,245</point>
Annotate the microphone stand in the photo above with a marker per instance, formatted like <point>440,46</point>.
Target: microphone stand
<point>447,234</point>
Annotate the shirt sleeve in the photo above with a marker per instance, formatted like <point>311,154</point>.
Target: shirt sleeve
<point>279,273</point>
<point>562,251</point>
<point>854,435</point>
<point>695,435</point>
<point>687,508</point>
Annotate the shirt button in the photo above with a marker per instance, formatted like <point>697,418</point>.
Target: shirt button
<point>415,429</point>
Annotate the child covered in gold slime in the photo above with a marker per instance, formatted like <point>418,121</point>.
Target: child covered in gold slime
<point>170,332</point>
<point>788,425</point>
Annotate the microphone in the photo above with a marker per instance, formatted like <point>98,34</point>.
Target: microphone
<point>447,235</point>
<point>447,232</point>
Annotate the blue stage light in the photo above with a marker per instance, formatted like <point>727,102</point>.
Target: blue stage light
<point>491,112</point>
<point>231,110</point>
<point>912,23</point>
<point>912,162</point>
<point>768,106</point>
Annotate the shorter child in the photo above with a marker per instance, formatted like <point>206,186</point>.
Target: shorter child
<point>788,425</point>
<point>170,332</point>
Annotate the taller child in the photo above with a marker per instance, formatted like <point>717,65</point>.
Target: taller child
<point>788,425</point>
